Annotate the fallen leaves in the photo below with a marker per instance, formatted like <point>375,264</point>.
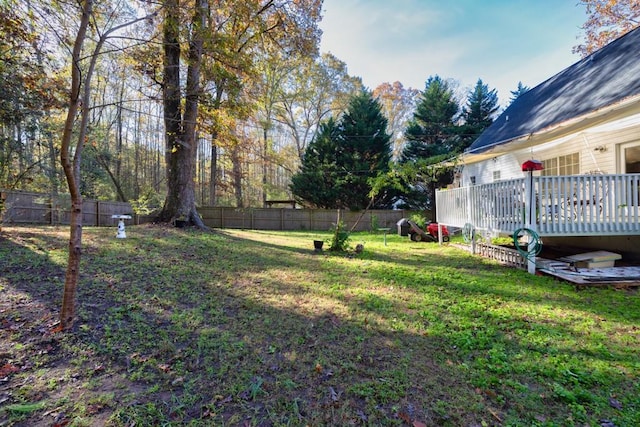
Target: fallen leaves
<point>407,419</point>
<point>8,369</point>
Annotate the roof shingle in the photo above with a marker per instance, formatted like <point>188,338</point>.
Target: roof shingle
<point>603,78</point>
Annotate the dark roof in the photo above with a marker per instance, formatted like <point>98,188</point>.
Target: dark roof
<point>603,78</point>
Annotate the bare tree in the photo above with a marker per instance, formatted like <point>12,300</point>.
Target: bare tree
<point>79,102</point>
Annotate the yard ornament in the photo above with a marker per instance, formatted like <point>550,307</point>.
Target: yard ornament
<point>122,234</point>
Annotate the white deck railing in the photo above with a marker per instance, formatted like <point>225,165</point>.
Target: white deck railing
<point>563,205</point>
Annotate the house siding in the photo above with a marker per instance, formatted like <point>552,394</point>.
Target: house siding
<point>508,165</point>
<point>608,136</point>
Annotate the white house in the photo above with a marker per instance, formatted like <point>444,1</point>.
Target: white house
<point>583,125</point>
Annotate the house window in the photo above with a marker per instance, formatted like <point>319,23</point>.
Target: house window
<point>630,158</point>
<point>473,180</point>
<point>496,176</point>
<point>563,165</point>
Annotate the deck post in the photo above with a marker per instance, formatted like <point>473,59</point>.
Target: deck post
<point>530,210</point>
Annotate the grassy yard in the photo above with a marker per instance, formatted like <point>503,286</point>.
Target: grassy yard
<point>253,328</point>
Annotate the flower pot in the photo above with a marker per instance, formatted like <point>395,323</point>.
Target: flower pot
<point>317,245</point>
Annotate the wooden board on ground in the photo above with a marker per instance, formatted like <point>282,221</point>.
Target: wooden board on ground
<point>609,276</point>
<point>596,259</point>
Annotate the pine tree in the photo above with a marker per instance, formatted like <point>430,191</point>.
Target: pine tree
<point>478,114</point>
<point>343,159</point>
<point>317,181</point>
<point>519,91</point>
<point>431,136</point>
<point>365,149</point>
<point>433,123</point>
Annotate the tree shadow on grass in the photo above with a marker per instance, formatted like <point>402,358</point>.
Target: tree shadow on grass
<point>470,274</point>
<point>175,328</point>
<point>154,344</point>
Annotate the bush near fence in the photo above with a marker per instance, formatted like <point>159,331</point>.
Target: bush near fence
<point>19,207</point>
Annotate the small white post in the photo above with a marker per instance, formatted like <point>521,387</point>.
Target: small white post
<point>122,234</point>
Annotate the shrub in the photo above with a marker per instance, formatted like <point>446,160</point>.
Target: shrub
<point>419,219</point>
<point>340,238</point>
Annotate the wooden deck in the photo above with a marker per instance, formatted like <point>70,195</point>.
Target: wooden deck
<point>618,277</point>
<point>585,205</point>
<point>622,277</point>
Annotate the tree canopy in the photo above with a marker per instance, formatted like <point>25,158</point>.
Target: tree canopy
<point>430,131</point>
<point>221,102</point>
<point>478,113</point>
<point>606,21</point>
<point>521,89</point>
<point>341,162</point>
<point>440,130</point>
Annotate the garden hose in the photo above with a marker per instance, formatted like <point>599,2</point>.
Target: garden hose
<point>527,251</point>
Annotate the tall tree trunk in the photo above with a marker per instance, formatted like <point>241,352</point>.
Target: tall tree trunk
<point>265,151</point>
<point>213,179</point>
<point>172,113</point>
<point>180,133</point>
<point>139,164</point>
<point>53,179</point>
<point>72,172</point>
<point>213,185</point>
<point>79,96</point>
<point>237,176</point>
<point>114,179</point>
<point>119,139</point>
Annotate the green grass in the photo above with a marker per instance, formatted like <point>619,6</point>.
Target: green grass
<point>177,327</point>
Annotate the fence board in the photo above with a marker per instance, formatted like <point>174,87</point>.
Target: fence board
<point>21,207</point>
<point>34,208</point>
<point>288,219</point>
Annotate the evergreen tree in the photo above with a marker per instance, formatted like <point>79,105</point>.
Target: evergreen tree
<point>478,114</point>
<point>429,132</point>
<point>519,91</point>
<point>432,135</point>
<point>317,181</point>
<point>341,162</point>
<point>365,149</point>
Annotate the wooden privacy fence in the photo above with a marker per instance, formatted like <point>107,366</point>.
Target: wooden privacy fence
<point>297,219</point>
<point>19,207</point>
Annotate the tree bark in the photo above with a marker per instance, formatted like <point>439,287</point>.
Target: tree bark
<point>79,99</point>
<point>180,131</point>
<point>237,176</point>
<point>265,154</point>
<point>72,173</point>
<point>214,172</point>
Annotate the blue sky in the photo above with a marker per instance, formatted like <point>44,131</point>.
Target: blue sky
<point>500,41</point>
